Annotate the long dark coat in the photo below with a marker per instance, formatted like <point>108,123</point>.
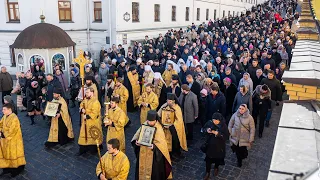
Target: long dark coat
<point>230,94</point>
<point>216,144</point>
<point>33,100</point>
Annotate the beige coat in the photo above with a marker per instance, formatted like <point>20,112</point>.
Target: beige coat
<point>238,129</point>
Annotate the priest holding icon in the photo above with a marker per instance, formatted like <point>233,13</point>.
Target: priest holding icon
<point>154,156</point>
<point>61,126</point>
<point>172,121</point>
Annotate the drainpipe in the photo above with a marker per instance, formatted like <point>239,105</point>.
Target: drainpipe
<point>88,25</point>
<point>110,24</point>
<point>193,12</point>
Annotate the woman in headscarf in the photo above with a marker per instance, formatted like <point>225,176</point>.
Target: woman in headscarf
<point>203,64</point>
<point>246,81</point>
<point>242,97</point>
<point>181,63</point>
<point>215,150</point>
<point>194,64</point>
<point>238,72</point>
<point>241,128</point>
<point>200,79</point>
<point>189,61</point>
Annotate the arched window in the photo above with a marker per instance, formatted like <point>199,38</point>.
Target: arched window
<point>37,60</point>
<point>20,63</point>
<point>59,59</point>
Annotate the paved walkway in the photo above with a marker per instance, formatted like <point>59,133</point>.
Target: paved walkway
<point>61,162</point>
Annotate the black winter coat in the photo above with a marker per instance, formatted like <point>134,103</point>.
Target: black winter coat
<point>121,71</point>
<point>256,81</point>
<point>33,100</point>
<point>217,144</point>
<point>159,69</point>
<point>196,88</point>
<point>215,104</point>
<point>239,75</point>
<point>252,70</point>
<point>177,90</point>
<point>230,93</point>
<point>183,76</point>
<point>275,87</point>
<point>55,83</point>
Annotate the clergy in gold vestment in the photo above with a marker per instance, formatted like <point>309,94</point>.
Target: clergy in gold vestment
<point>153,163</point>
<point>115,120</point>
<point>147,101</point>
<point>61,126</point>
<point>90,118</point>
<point>167,74</point>
<point>173,125</point>
<point>12,158</point>
<point>131,81</point>
<point>114,164</point>
<point>122,92</point>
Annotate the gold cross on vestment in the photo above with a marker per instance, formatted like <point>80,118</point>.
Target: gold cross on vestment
<point>82,61</point>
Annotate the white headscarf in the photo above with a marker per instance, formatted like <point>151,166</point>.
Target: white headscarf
<point>189,61</point>
<point>139,60</point>
<point>148,68</point>
<point>150,62</point>
<point>157,75</point>
<point>181,62</point>
<point>114,61</point>
<point>196,63</point>
<point>203,64</point>
<point>175,66</point>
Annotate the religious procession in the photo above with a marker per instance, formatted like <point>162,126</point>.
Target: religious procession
<point>222,79</point>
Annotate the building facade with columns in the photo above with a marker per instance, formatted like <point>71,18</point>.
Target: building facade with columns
<point>93,24</point>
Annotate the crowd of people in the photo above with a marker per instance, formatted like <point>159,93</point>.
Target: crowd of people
<point>224,76</point>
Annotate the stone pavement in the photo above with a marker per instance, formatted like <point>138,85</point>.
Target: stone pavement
<point>60,163</point>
